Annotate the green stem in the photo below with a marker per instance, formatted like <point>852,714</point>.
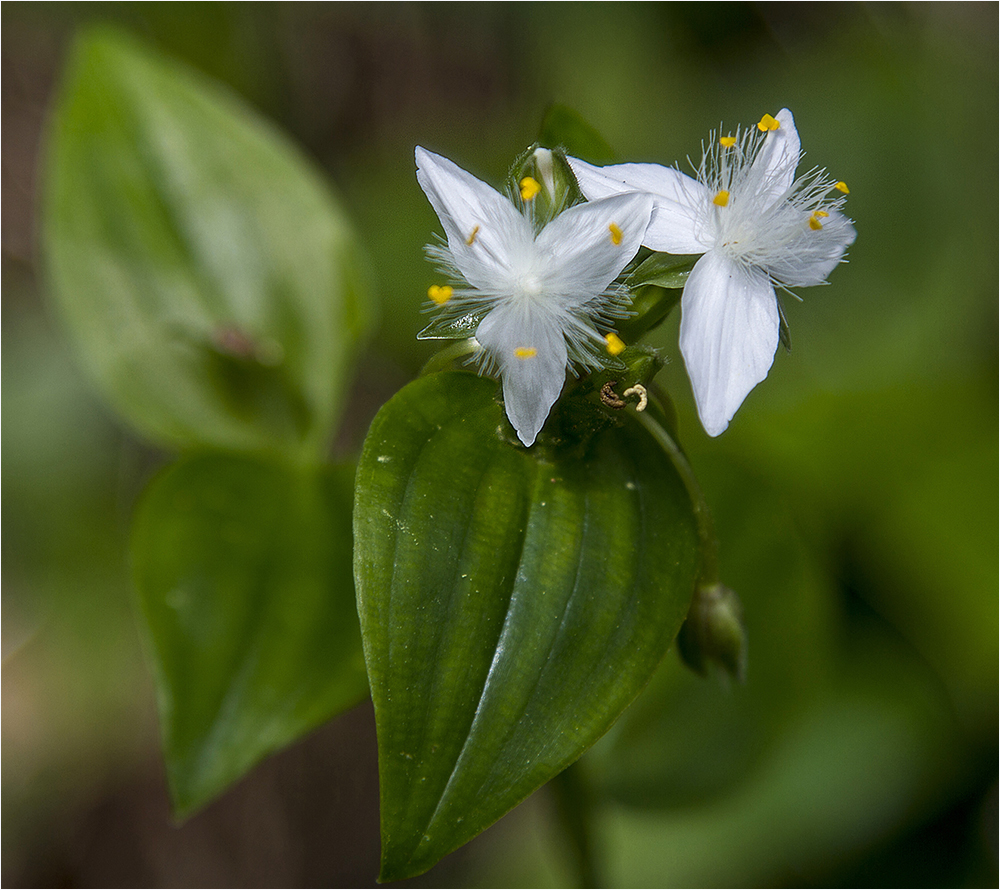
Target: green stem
<point>575,809</point>
<point>709,545</point>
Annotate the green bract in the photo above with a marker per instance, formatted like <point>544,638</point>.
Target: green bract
<point>512,601</point>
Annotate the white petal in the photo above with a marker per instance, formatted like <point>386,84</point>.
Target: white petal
<point>679,202</point>
<point>586,247</point>
<point>813,255</point>
<point>775,163</point>
<point>471,209</point>
<point>729,332</point>
<point>531,383</point>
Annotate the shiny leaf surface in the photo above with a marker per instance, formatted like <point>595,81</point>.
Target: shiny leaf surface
<point>513,601</point>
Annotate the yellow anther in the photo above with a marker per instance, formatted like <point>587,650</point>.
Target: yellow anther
<point>616,234</point>
<point>727,141</point>
<point>529,188</point>
<point>472,236</point>
<point>822,214</point>
<point>615,346</point>
<point>440,294</point>
<point>768,123</point>
<point>524,352</point>
<point>814,222</point>
<point>842,187</point>
<point>721,199</point>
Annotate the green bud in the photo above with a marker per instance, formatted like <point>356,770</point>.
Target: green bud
<point>713,633</point>
<point>543,180</point>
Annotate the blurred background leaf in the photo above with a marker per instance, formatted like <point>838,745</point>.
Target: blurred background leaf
<point>243,571</point>
<point>870,451</point>
<point>564,128</point>
<point>206,272</point>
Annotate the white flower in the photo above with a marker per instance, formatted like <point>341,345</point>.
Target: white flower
<point>758,227</point>
<point>542,297</point>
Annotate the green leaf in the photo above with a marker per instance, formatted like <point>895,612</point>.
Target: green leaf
<point>513,601</point>
<point>243,570</point>
<point>207,274</point>
<point>663,270</point>
<point>564,128</point>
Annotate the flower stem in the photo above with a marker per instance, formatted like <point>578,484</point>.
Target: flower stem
<point>709,546</point>
<point>575,808</point>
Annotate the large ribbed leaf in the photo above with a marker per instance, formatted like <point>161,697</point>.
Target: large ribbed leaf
<point>513,601</point>
<point>243,570</point>
<point>207,274</point>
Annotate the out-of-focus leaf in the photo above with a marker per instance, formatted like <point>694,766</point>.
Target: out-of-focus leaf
<point>857,761</point>
<point>243,570</point>
<point>513,601</point>
<point>564,128</point>
<point>685,740</point>
<point>207,274</point>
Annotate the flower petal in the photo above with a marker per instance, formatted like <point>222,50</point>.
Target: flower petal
<point>774,166</point>
<point>472,210</point>
<point>729,332</point>
<point>530,349</point>
<point>807,260</point>
<point>587,246</point>
<point>680,203</point>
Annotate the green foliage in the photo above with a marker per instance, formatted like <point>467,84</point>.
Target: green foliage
<point>211,283</point>
<point>663,270</point>
<point>512,602</point>
<point>565,128</point>
<point>243,570</point>
<point>205,271</point>
<point>185,240</point>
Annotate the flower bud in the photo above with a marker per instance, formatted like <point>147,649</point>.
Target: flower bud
<point>713,633</point>
<point>545,183</point>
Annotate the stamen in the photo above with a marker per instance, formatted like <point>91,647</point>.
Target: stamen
<point>529,188</point>
<point>523,352</point>
<point>721,199</point>
<point>768,123</point>
<point>616,234</point>
<point>821,213</point>
<point>472,237</point>
<point>440,294</point>
<point>615,345</point>
<point>842,187</point>
<point>814,222</point>
<point>727,141</point>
